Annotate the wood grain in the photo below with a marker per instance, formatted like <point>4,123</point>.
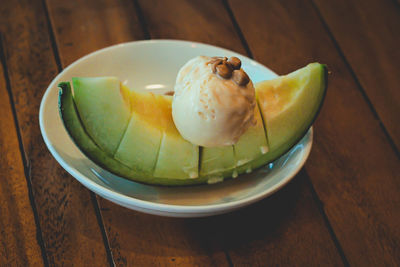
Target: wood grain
<point>92,25</point>
<point>285,229</point>
<point>206,22</point>
<point>141,239</point>
<point>144,240</point>
<point>69,226</point>
<point>19,245</point>
<point>353,167</point>
<point>368,34</point>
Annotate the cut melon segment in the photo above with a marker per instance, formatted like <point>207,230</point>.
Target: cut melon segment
<point>84,142</point>
<point>182,165</point>
<point>140,145</point>
<point>103,109</point>
<point>218,162</point>
<point>133,135</point>
<point>289,104</point>
<point>73,124</point>
<point>251,145</point>
<point>177,158</point>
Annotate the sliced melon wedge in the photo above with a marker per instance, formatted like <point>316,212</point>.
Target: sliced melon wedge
<point>252,145</point>
<point>217,163</point>
<point>104,110</point>
<point>177,157</point>
<point>141,142</point>
<point>133,135</point>
<point>289,105</point>
<point>84,142</point>
<point>72,122</point>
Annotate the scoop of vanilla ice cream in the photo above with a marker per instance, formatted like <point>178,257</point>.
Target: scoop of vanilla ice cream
<point>209,110</point>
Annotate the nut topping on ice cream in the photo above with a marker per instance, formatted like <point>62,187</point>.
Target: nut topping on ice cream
<point>235,62</point>
<point>240,77</point>
<point>229,68</point>
<point>224,70</point>
<point>214,101</point>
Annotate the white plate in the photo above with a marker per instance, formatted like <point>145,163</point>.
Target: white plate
<point>153,65</point>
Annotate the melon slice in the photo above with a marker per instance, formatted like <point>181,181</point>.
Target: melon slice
<point>289,105</point>
<point>251,145</point>
<point>152,144</point>
<point>103,109</point>
<point>84,142</point>
<point>78,134</point>
<point>177,157</point>
<point>140,141</point>
<point>217,163</point>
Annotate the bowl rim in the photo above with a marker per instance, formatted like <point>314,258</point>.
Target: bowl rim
<point>149,205</point>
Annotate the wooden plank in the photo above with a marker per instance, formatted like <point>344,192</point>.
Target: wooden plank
<point>19,245</point>
<point>69,226</point>
<point>368,34</point>
<point>146,240</point>
<point>283,230</point>
<point>92,25</point>
<point>134,238</point>
<point>353,167</point>
<point>149,240</point>
<point>191,20</point>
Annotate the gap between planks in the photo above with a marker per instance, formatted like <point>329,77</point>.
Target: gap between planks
<point>320,206</point>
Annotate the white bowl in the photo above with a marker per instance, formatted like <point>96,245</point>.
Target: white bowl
<point>149,65</point>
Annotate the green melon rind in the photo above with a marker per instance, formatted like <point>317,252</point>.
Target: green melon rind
<point>80,137</point>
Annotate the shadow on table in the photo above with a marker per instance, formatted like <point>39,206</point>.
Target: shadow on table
<point>266,219</point>
<point>133,234</point>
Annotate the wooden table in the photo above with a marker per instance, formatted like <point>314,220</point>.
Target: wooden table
<point>343,208</point>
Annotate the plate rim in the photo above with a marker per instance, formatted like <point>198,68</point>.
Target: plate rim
<point>174,209</point>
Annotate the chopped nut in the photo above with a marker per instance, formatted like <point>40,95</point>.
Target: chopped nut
<point>240,77</point>
<point>215,64</point>
<point>224,70</point>
<point>235,62</point>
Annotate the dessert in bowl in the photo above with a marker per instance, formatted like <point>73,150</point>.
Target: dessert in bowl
<point>151,123</point>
